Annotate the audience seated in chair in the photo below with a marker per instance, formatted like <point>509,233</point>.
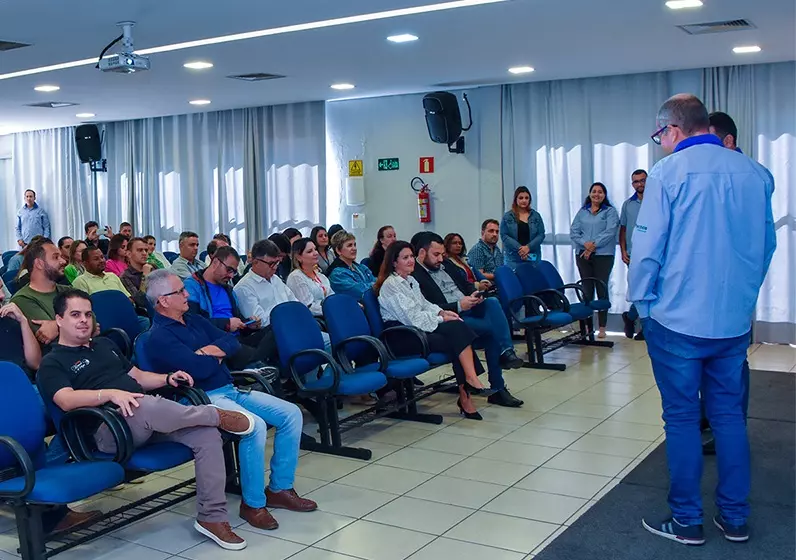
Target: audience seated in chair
<point>346,275</point>
<point>93,239</point>
<point>157,259</point>
<point>126,229</point>
<point>105,376</point>
<point>64,245</point>
<point>116,263</point>
<point>456,253</point>
<point>75,260</point>
<point>308,285</point>
<point>189,341</point>
<point>134,276</point>
<point>326,255</point>
<point>222,240</point>
<point>402,302</point>
<point>210,295</point>
<point>384,238</point>
<point>441,285</point>
<point>283,243</point>
<point>188,262</point>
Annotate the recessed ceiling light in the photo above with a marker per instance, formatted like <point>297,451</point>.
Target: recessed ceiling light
<point>373,16</point>
<point>403,38</point>
<point>683,4</point>
<point>198,65</point>
<point>85,115</point>
<point>47,89</point>
<point>200,102</point>
<point>746,50</point>
<point>521,70</point>
<point>342,86</point>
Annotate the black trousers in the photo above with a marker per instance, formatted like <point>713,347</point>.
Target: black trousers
<point>449,338</point>
<point>256,346</point>
<point>596,266</point>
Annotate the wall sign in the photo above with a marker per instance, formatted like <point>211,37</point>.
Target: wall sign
<point>426,165</point>
<point>388,164</point>
<point>355,168</point>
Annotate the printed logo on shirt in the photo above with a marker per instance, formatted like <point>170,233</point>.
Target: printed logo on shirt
<point>80,365</point>
<point>641,229</point>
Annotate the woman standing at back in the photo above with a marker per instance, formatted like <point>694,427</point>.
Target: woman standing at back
<point>594,234</point>
<point>522,231</point>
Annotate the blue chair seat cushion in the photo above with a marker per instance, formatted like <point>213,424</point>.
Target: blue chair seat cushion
<point>400,368</point>
<point>158,456</point>
<point>580,311</point>
<point>557,319</point>
<point>68,483</point>
<point>350,383</point>
<point>438,359</point>
<point>600,304</point>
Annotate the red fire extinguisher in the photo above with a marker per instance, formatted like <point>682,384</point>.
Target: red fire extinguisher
<point>423,200</point>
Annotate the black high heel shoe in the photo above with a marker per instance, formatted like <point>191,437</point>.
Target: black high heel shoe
<point>469,415</point>
<point>473,390</point>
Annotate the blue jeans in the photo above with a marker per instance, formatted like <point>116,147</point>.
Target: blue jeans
<point>488,321</point>
<point>286,418</point>
<point>682,366</point>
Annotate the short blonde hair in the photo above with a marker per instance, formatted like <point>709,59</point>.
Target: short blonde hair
<point>341,238</point>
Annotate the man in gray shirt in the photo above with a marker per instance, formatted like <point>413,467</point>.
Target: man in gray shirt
<point>627,223</point>
<point>187,263</point>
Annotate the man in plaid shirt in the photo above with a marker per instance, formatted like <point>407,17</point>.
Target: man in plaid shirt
<point>486,256</point>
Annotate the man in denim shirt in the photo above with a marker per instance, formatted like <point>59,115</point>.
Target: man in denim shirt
<point>32,220</point>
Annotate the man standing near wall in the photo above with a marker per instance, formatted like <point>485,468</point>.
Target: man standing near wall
<point>702,246</point>
<point>32,220</point>
<point>627,223</point>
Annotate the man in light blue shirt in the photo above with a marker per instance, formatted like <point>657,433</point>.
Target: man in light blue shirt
<point>627,223</point>
<point>701,249</point>
<point>32,220</point>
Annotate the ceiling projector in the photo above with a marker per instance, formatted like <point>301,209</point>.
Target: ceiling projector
<point>126,61</point>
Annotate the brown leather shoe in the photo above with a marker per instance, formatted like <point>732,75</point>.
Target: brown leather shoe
<point>220,533</point>
<point>234,422</point>
<point>288,499</point>
<point>75,518</point>
<point>258,517</point>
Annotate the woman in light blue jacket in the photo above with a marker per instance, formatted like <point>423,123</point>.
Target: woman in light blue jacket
<point>594,234</point>
<point>522,231</point>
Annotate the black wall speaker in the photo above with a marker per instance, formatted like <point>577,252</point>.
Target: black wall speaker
<point>89,145</point>
<point>443,117</point>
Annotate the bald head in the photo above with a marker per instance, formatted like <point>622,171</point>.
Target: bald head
<point>686,112</point>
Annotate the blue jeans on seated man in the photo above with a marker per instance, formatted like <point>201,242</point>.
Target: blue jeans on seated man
<point>683,365</point>
<point>488,321</point>
<point>282,415</point>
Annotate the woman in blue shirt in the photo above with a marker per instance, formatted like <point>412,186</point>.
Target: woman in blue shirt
<point>594,233</point>
<point>522,231</point>
<point>345,274</point>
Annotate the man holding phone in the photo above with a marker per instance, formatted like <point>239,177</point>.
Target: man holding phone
<point>210,294</point>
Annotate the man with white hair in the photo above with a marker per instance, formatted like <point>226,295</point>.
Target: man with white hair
<point>183,340</point>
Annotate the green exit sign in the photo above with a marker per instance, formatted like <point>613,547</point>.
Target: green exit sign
<point>388,164</point>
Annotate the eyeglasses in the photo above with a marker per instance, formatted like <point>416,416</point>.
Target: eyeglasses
<point>181,291</point>
<point>230,269</point>
<point>659,134</point>
<point>640,181</point>
<point>268,263</point>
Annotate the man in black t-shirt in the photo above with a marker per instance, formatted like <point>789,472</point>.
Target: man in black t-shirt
<point>80,372</point>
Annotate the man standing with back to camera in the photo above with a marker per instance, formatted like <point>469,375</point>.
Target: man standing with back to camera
<point>702,246</point>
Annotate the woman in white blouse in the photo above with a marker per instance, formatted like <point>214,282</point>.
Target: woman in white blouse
<point>402,302</point>
<point>309,285</point>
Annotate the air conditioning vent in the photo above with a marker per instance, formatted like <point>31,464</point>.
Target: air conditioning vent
<point>52,104</point>
<point>256,77</point>
<point>11,45</point>
<point>717,27</point>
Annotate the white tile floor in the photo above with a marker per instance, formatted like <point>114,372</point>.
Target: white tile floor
<point>501,489</point>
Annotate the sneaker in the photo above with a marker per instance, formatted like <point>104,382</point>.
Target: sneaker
<point>220,533</point>
<point>630,326</point>
<point>234,422</point>
<point>672,530</point>
<point>733,533</point>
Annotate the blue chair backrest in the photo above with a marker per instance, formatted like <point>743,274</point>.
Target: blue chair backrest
<point>114,310</point>
<point>21,416</point>
<point>171,256</point>
<point>373,312</point>
<point>531,278</point>
<point>553,277</point>
<point>508,286</point>
<point>10,282</point>
<point>365,262</point>
<point>296,329</point>
<point>7,255</point>
<point>140,357</point>
<point>344,319</point>
<point>203,256</point>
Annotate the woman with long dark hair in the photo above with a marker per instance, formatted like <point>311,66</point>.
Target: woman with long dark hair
<point>384,238</point>
<point>117,255</point>
<point>456,252</point>
<point>521,230</point>
<point>594,234</point>
<point>75,266</point>
<point>320,237</point>
<point>402,302</point>
<point>309,285</point>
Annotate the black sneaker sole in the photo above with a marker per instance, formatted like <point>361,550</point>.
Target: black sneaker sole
<point>729,537</point>
<point>630,327</point>
<point>672,537</point>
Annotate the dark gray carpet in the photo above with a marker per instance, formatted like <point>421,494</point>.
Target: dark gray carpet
<point>611,530</point>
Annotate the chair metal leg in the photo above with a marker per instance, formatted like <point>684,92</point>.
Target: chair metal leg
<point>331,440</point>
<point>537,352</point>
<point>232,465</point>
<point>587,335</point>
<point>409,412</point>
<point>31,532</point>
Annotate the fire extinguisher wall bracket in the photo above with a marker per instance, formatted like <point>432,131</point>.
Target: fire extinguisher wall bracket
<point>423,200</point>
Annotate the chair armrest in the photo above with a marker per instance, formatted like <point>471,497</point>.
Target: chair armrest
<point>193,395</point>
<point>25,464</point>
<point>417,333</point>
<point>344,361</point>
<point>580,282</point>
<point>76,439</point>
<point>578,290</point>
<point>297,379</point>
<point>555,295</point>
<point>128,346</point>
<point>530,303</point>
<point>252,378</point>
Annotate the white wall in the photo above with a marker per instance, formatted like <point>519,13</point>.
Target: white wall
<point>466,188</point>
